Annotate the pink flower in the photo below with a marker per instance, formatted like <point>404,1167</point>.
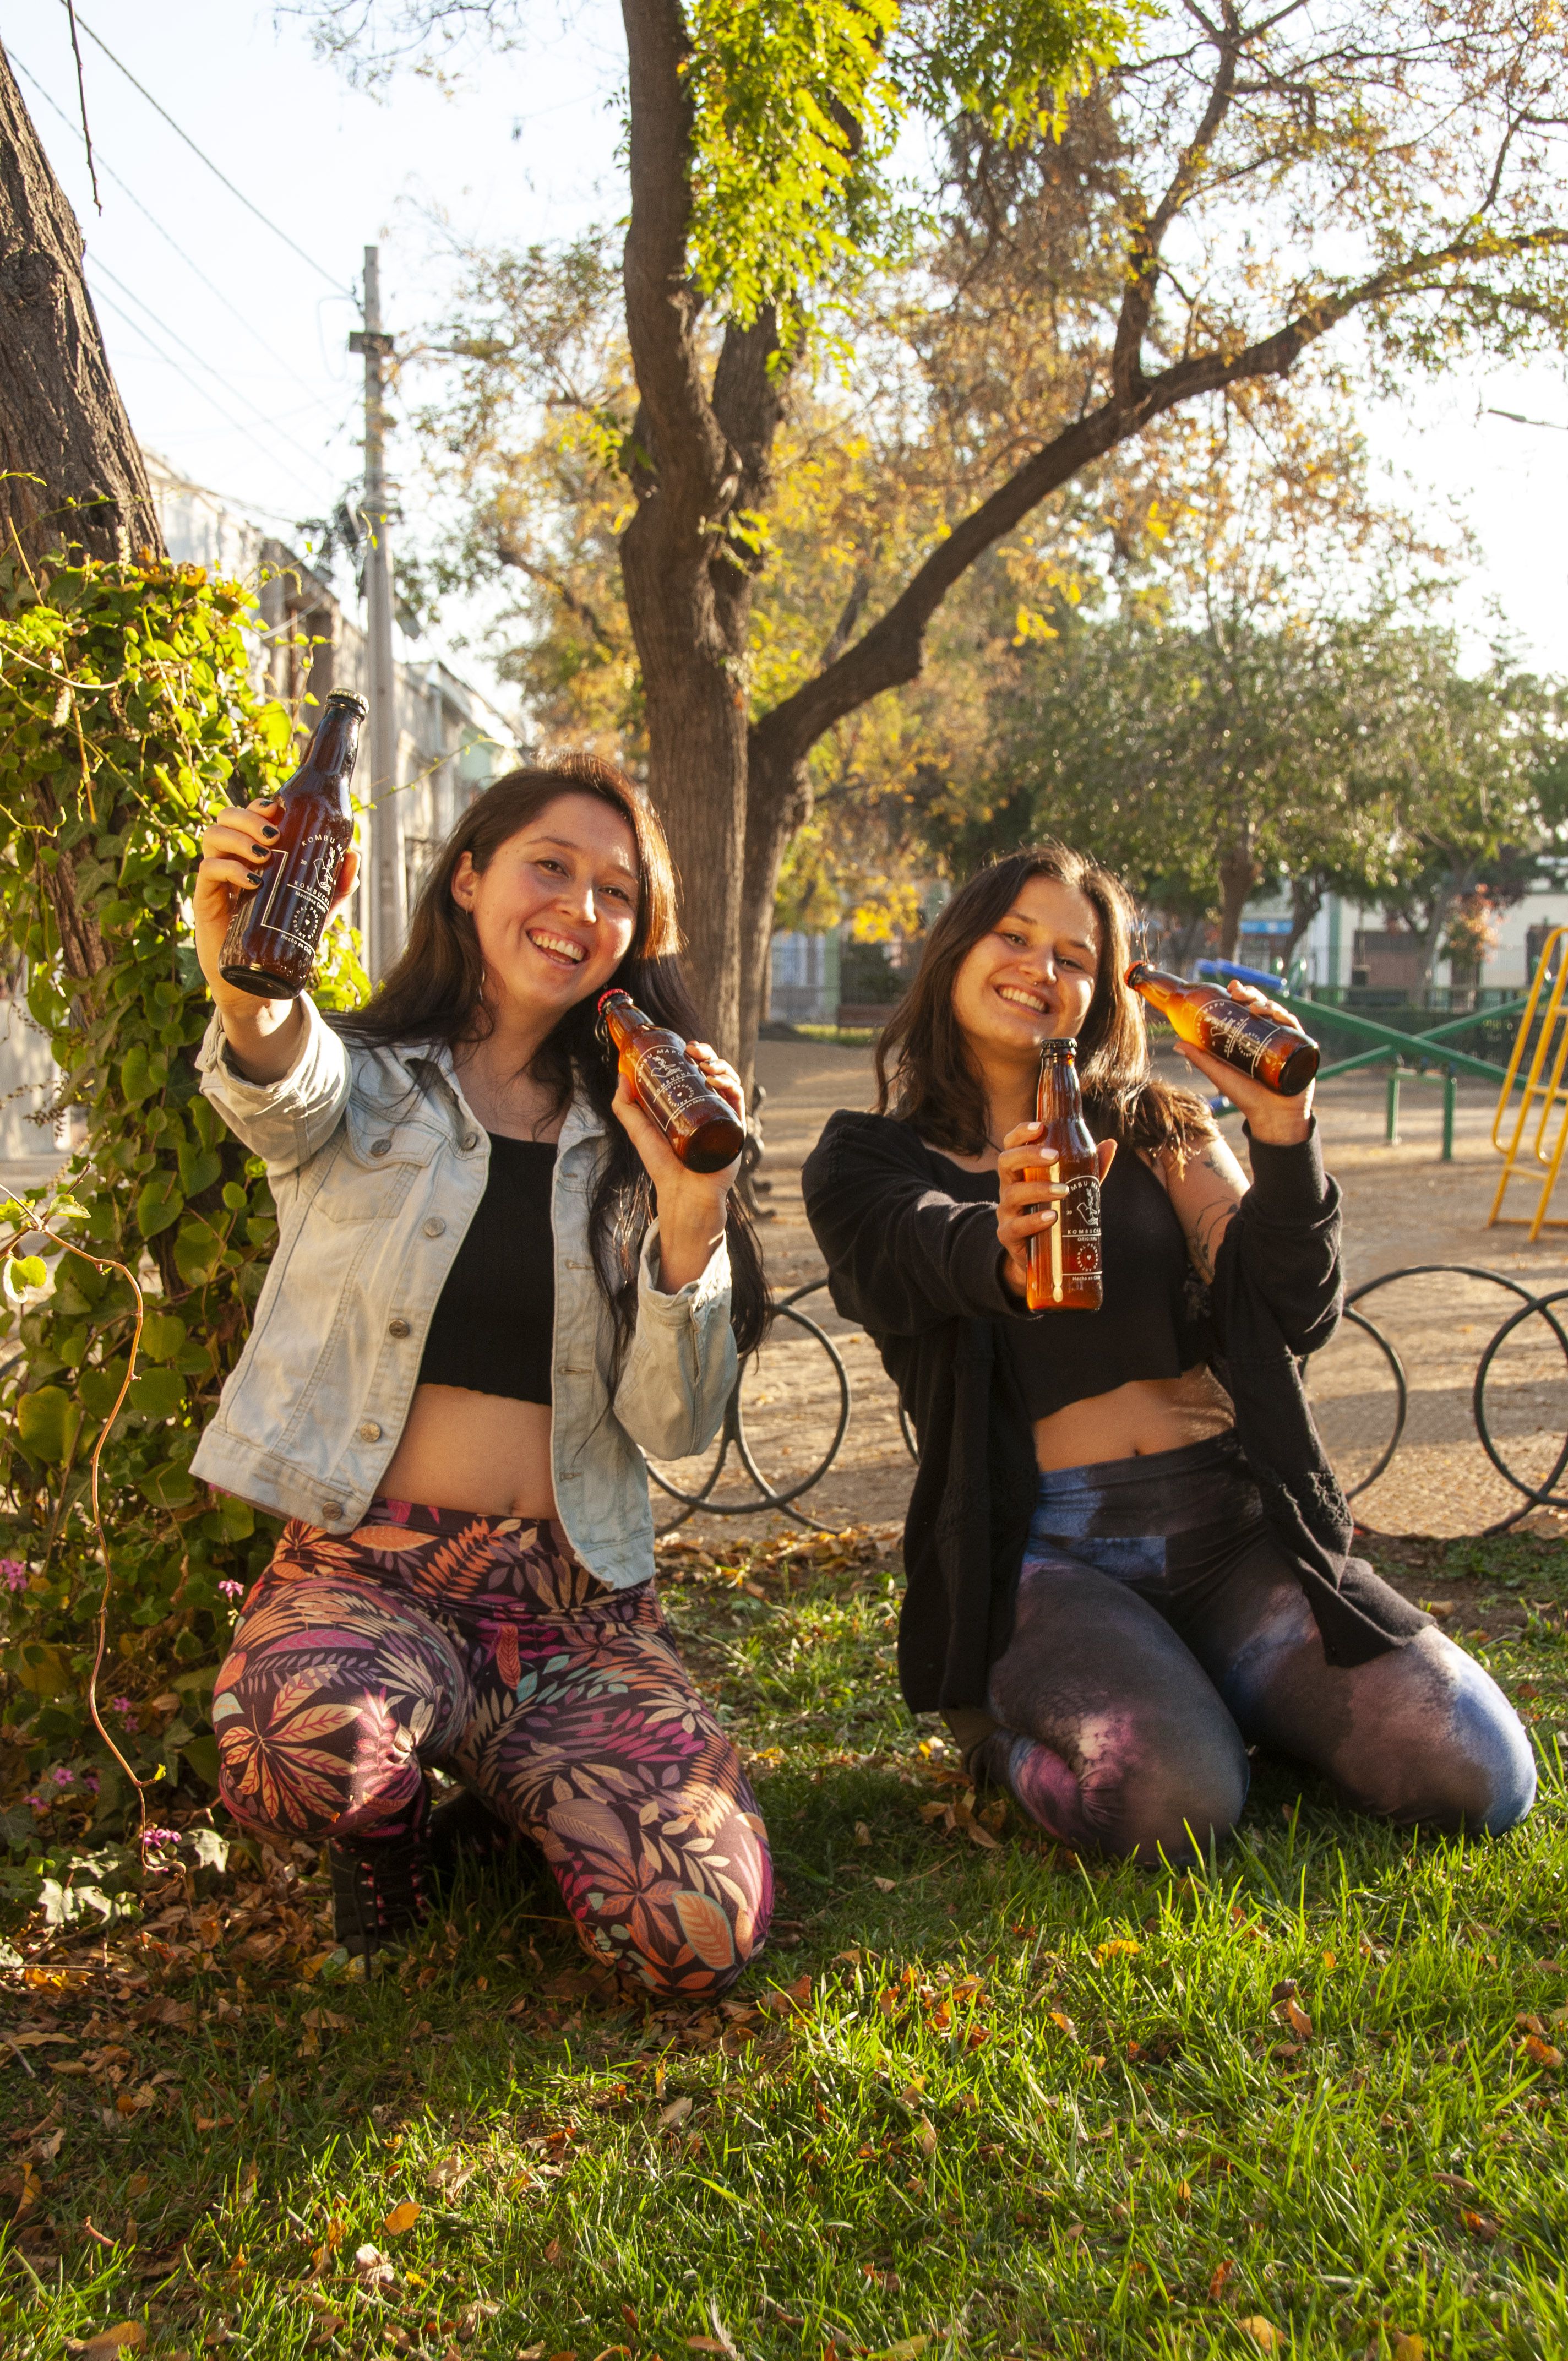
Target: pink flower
<point>126,1709</point>
<point>90,1781</point>
<point>60,1775</point>
<point>40,1803</point>
<point>232,1589</point>
<point>14,1572</point>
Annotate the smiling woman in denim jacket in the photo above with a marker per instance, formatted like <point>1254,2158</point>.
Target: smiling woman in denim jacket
<point>475,1325</point>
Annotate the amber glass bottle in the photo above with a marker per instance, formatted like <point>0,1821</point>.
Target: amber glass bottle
<point>1064,1261</point>
<point>704,1129</point>
<point>276,931</point>
<point>1281,1057</point>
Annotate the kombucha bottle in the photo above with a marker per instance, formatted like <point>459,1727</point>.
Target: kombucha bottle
<point>276,930</point>
<point>1281,1057</point>
<point>1064,1272</point>
<point>704,1129</point>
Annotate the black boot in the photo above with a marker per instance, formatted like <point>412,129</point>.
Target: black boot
<point>381,1891</point>
<point>464,1832</point>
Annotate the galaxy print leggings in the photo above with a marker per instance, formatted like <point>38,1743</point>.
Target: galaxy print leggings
<point>481,1645</point>
<point>1160,1632</point>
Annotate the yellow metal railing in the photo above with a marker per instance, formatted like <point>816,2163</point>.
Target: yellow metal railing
<point>1542,1095</point>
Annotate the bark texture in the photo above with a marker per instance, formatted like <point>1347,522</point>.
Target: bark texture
<point>70,467</point>
<point>700,455</point>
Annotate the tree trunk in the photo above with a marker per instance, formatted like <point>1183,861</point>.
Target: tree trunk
<point>1238,875</point>
<point>778,802</point>
<point>70,468</point>
<point>1306,900</point>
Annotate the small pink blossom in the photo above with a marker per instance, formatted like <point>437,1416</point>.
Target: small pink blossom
<point>126,1709</point>
<point>232,1589</point>
<point>60,1775</point>
<point>40,1803</point>
<point>15,1573</point>
<point>90,1781</point>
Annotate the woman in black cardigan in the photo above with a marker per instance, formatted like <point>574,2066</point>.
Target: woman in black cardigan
<point>1127,1558</point>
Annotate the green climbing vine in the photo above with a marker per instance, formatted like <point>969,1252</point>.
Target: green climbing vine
<point>126,715</point>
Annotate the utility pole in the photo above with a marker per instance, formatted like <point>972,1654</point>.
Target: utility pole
<point>385,915</point>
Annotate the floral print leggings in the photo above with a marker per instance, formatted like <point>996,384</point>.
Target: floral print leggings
<point>430,1636</point>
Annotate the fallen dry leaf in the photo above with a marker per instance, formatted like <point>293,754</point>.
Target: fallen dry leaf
<point>126,2336</point>
<point>1540,2052</point>
<point>1262,2331</point>
<point>1121,1947</point>
<point>1221,2273</point>
<point>401,2217</point>
<point>1065,2023</point>
<point>1482,2226</point>
<point>451,2172</point>
<point>1300,2023</point>
<point>980,1836</point>
<point>675,2113</point>
<point>883,1884</point>
<point>1406,2345</point>
<point>925,2137</point>
<point>863,1837</point>
<point>908,2348</point>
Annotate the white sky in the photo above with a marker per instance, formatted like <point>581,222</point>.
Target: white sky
<point>261,402</point>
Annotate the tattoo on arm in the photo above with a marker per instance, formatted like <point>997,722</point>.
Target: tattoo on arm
<point>1207,1231</point>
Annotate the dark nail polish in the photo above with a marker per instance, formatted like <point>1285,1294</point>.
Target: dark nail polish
<point>268,829</point>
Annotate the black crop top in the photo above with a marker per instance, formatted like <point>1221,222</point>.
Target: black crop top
<point>494,1325</point>
<point>1144,1328</point>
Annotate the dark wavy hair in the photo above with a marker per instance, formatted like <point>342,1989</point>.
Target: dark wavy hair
<point>435,993</point>
<point>924,1071</point>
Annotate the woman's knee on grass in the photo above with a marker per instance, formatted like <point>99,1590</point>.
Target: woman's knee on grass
<point>1172,1799</point>
<point>675,1896</point>
<point>1433,1741</point>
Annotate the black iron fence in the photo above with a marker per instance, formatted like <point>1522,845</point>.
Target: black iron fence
<point>735,1448</point>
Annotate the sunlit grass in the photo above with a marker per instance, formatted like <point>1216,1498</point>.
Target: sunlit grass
<point>997,2100</point>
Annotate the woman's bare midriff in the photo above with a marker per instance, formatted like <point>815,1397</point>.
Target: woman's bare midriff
<point>1133,1421</point>
<point>480,1452</point>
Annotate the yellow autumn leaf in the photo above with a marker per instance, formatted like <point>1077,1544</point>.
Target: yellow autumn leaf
<point>401,2217</point>
<point>1121,1947</point>
<point>1407,2346</point>
<point>1262,2333</point>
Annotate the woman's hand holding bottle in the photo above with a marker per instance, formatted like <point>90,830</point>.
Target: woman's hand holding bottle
<point>690,1204</point>
<point>1283,1121</point>
<point>1027,1205</point>
<point>263,1034</point>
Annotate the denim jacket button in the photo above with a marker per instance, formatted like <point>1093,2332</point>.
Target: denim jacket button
<point>435,1226</point>
<point>470,1139</point>
<point>380,1147</point>
<point>331,1508</point>
<point>398,1328</point>
<point>369,1431</point>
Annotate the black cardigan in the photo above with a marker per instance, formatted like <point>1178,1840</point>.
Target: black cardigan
<point>921,1271</point>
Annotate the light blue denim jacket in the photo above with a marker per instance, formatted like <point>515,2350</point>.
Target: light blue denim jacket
<point>378,1165</point>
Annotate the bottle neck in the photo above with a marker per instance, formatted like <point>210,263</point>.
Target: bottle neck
<point>1060,1097</point>
<point>330,757</point>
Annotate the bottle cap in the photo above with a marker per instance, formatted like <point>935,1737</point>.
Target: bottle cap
<point>348,700</point>
<point>616,992</point>
<point>1063,1044</point>
<point>1139,967</point>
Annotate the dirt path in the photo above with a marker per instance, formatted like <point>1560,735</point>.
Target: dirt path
<point>1403,1206</point>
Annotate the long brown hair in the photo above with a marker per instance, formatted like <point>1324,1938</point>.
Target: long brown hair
<point>934,1085</point>
<point>434,992</point>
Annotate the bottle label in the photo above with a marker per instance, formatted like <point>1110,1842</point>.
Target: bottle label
<point>1235,1037</point>
<point>667,1083</point>
<point>1079,1228</point>
<point>309,878</point>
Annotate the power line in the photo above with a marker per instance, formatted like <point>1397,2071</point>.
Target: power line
<point>206,159</point>
<point>267,425</point>
<point>212,286</point>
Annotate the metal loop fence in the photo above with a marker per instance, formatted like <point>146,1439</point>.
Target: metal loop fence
<point>735,1443</point>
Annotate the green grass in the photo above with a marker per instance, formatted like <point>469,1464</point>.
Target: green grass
<point>1016,2105</point>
